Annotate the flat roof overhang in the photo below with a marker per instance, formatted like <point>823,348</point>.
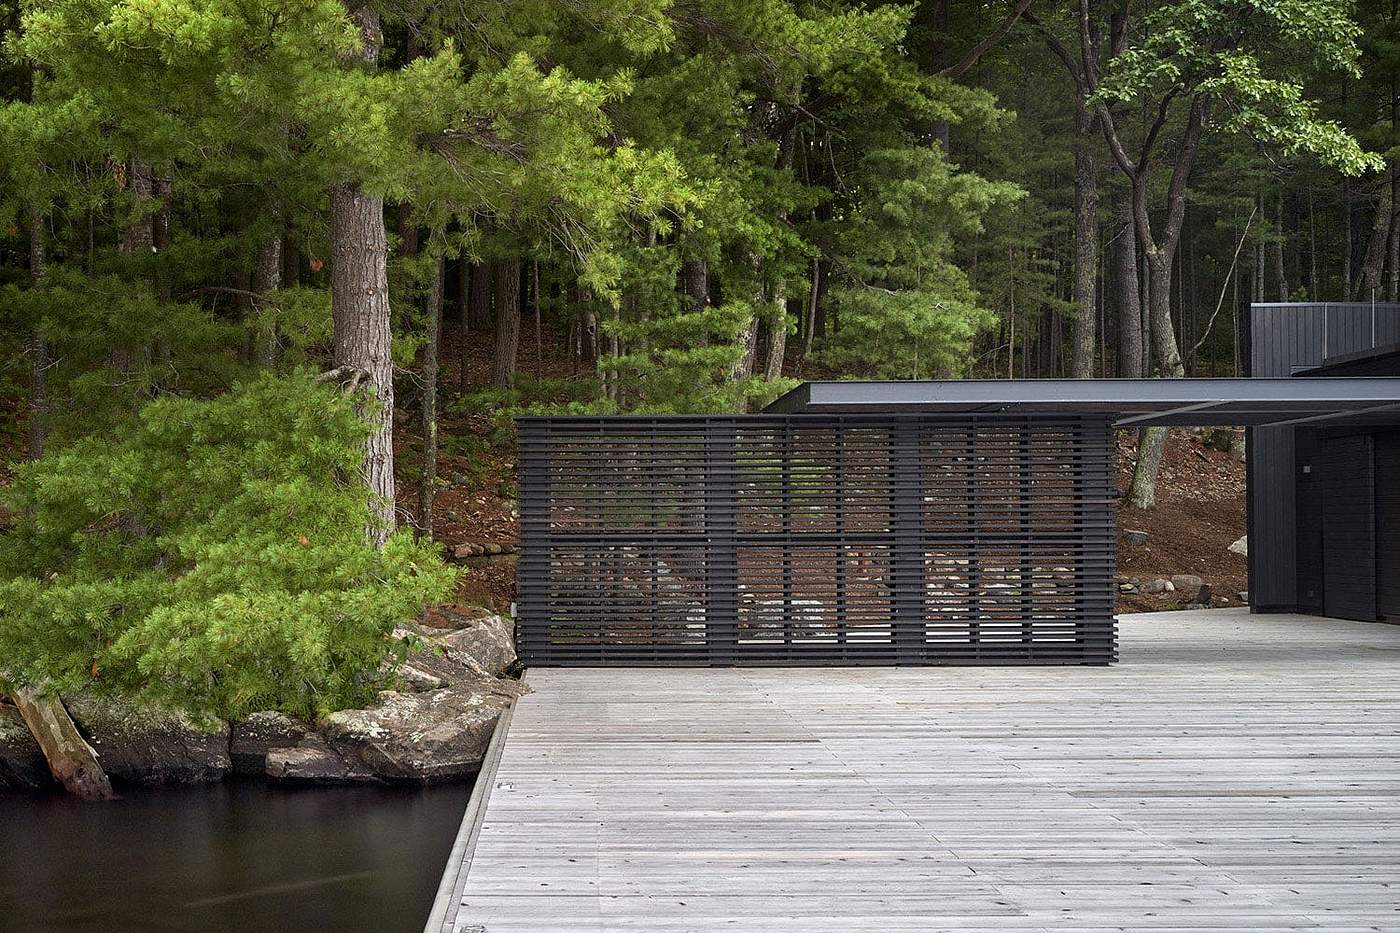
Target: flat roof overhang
<point>1131,402</point>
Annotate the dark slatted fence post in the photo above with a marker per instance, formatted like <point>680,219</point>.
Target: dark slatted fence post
<point>1097,537</point>
<point>721,536</point>
<point>906,524</point>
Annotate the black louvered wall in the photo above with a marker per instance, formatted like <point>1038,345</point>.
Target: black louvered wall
<point>814,539</point>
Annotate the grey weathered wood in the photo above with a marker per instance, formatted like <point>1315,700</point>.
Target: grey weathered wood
<point>1234,772</point>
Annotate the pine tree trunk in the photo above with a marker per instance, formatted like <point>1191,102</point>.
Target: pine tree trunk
<point>140,235</point>
<point>1393,248</point>
<point>777,332</point>
<point>267,277</point>
<point>538,302</point>
<point>809,327</point>
<point>38,344</point>
<point>361,323</point>
<point>1086,247</point>
<point>291,263</point>
<point>695,284</point>
<point>506,273</point>
<point>479,308</point>
<point>360,315</point>
<point>1279,273</point>
<point>1129,294</point>
<point>427,480</point>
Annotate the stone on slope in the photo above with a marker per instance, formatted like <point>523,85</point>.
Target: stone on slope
<point>1187,584</point>
<point>145,744</point>
<point>1241,546</point>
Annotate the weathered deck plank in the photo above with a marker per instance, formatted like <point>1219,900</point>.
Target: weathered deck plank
<point>1232,773</point>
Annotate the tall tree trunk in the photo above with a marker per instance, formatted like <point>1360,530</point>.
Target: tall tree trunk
<point>1279,273</point>
<point>479,308</point>
<point>360,315</point>
<point>743,367</point>
<point>140,237</point>
<point>1086,246</point>
<point>1393,285</point>
<point>537,301</point>
<point>695,284</point>
<point>506,273</point>
<point>814,291</point>
<point>1130,346</point>
<point>1376,248</point>
<point>38,344</point>
<point>1142,491</point>
<point>291,263</point>
<point>267,277</point>
<point>777,332</point>
<point>361,324</point>
<point>427,479</point>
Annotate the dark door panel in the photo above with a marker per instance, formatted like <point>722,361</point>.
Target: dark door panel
<point>1346,480</point>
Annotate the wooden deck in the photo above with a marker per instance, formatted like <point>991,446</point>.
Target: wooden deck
<point>1232,773</point>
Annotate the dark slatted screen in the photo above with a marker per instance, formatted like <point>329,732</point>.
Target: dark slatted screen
<point>809,539</point>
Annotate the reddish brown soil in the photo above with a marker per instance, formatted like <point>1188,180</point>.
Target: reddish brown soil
<point>1200,512</point>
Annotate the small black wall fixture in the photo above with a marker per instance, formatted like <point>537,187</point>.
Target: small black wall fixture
<point>816,540</point>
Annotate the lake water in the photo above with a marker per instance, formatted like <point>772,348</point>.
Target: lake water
<point>238,856</point>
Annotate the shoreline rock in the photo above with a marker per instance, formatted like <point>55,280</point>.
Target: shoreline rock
<point>434,728</point>
<point>22,763</point>
<point>148,745</point>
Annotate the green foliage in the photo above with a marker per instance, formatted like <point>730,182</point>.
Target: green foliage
<point>1245,58</point>
<point>214,558</point>
<point>907,311</point>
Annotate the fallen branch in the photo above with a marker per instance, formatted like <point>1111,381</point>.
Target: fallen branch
<point>71,759</point>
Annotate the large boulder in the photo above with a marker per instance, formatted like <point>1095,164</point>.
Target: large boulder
<point>1188,584</point>
<point>22,764</point>
<point>145,744</point>
<point>481,648</point>
<point>485,645</point>
<point>438,735</point>
<point>253,738</point>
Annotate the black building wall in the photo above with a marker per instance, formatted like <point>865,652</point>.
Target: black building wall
<point>1287,340</point>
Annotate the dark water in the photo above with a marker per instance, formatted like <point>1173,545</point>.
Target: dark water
<point>238,856</point>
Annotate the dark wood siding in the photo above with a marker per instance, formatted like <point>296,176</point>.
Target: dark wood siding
<point>1310,495</point>
<point>1285,339</point>
<point>1347,480</point>
<point>1387,454</point>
